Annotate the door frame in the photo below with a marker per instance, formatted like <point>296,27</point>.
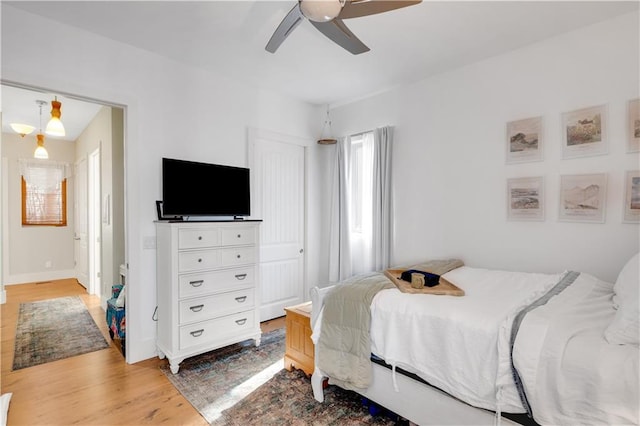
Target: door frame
<point>130,194</point>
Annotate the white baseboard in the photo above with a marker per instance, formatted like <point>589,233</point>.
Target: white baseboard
<point>37,277</point>
<point>3,297</point>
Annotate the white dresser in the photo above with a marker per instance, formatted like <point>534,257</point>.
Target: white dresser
<point>207,287</point>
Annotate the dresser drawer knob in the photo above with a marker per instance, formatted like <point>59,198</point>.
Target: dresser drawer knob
<point>241,321</point>
<point>196,308</point>
<point>197,333</point>
<point>238,256</point>
<point>199,238</point>
<point>241,299</point>
<point>239,235</point>
<point>199,260</point>
<point>241,276</point>
<point>196,283</point>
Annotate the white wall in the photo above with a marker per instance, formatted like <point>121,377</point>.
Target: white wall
<point>100,134</point>
<point>32,247</point>
<point>171,110</point>
<point>449,171</point>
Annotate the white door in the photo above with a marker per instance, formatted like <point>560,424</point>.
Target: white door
<point>94,224</point>
<point>278,182</point>
<point>80,246</point>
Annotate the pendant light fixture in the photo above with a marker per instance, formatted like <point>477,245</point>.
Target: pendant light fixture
<point>326,138</point>
<point>40,152</point>
<point>55,127</point>
<point>22,129</point>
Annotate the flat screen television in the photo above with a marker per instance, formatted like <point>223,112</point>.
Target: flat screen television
<point>190,188</point>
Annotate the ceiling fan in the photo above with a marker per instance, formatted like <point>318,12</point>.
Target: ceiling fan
<point>327,16</point>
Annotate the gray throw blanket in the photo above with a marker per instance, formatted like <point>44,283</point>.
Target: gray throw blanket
<point>344,347</point>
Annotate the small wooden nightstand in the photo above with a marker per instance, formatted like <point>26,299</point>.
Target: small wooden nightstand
<point>299,352</point>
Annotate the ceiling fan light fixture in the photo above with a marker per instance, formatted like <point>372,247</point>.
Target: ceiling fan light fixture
<point>321,10</point>
<point>40,152</point>
<point>55,127</point>
<point>22,129</point>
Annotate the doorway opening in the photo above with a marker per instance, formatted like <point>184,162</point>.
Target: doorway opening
<point>92,247</point>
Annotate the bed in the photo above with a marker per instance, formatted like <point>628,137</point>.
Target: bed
<point>541,347</point>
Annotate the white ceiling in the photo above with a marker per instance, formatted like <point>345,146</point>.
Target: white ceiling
<point>407,45</point>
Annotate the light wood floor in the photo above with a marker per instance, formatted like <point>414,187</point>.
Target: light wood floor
<point>98,388</point>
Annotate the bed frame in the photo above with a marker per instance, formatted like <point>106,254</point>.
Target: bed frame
<point>416,401</point>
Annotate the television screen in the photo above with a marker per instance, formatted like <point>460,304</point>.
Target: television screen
<point>200,189</point>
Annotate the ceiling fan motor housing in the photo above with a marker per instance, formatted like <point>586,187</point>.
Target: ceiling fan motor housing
<point>320,10</point>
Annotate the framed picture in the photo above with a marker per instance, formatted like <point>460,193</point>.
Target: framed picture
<point>583,197</point>
<point>584,132</point>
<point>633,127</point>
<point>632,197</point>
<point>524,140</point>
<point>525,198</point>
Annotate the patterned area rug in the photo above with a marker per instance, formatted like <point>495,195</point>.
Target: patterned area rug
<point>244,385</point>
<point>54,329</point>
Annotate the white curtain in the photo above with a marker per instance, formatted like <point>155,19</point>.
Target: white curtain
<point>340,239</point>
<point>44,173</point>
<point>360,222</point>
<point>381,217</point>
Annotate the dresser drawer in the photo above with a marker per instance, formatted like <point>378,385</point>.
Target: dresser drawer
<point>198,238</point>
<point>204,308</point>
<point>198,260</point>
<point>237,236</point>
<point>238,256</point>
<point>208,332</point>
<point>209,282</point>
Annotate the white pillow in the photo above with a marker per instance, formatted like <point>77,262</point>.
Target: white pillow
<point>120,299</point>
<point>624,329</point>
<point>4,408</point>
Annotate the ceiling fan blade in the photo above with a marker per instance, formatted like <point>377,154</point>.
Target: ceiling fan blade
<point>288,24</point>
<point>358,8</point>
<point>338,32</point>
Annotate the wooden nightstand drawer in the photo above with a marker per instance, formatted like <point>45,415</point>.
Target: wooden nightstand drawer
<point>299,351</point>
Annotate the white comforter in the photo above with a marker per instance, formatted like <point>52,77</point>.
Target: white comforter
<point>459,344</point>
<point>570,373</point>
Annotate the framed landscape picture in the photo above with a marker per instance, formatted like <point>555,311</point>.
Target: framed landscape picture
<point>584,132</point>
<point>583,197</point>
<point>524,140</point>
<point>525,198</point>
<point>633,127</point>
<point>632,197</point>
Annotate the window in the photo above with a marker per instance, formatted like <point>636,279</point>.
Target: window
<point>361,181</point>
<point>44,193</point>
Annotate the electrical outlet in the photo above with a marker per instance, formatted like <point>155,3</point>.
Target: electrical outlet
<point>48,264</point>
<point>149,242</point>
